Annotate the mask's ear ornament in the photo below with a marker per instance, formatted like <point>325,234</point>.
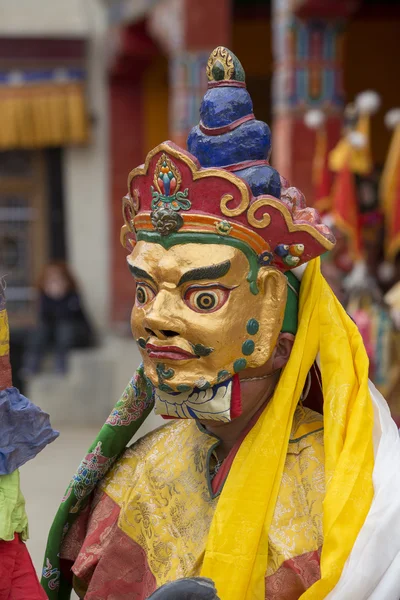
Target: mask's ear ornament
<point>227,206</point>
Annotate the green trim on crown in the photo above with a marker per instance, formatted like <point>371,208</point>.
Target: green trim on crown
<point>167,241</point>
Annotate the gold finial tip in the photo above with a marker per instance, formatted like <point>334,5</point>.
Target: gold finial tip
<point>223,65</point>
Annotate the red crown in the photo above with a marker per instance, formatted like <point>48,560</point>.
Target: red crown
<point>172,194</point>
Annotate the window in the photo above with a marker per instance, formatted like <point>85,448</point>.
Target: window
<point>23,230</point>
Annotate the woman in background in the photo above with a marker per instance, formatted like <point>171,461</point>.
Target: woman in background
<point>62,323</point>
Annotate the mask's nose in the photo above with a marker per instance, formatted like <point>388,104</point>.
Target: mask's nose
<point>161,334</point>
<point>162,319</point>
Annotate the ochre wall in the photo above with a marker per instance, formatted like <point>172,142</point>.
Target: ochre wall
<point>155,89</point>
<point>252,44</point>
<point>372,61</point>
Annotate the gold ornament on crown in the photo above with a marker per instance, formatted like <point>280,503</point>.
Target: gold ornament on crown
<point>265,219</point>
<point>222,55</point>
<point>130,208</point>
<point>238,210</point>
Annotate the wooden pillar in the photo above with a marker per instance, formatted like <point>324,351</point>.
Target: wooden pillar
<point>308,74</point>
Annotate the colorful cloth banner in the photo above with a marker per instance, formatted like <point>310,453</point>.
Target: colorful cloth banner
<point>322,178</point>
<point>345,209</point>
<point>390,196</point>
<point>43,108</point>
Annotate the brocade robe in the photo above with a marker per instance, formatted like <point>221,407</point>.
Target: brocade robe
<point>148,522</point>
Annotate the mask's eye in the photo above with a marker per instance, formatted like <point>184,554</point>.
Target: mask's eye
<point>144,293</point>
<point>206,298</point>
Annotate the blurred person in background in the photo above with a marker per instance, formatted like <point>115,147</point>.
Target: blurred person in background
<point>392,300</point>
<point>62,322</point>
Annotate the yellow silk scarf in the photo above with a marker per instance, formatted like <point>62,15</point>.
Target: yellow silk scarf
<point>237,547</point>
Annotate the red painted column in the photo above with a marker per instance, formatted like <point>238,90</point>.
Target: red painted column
<point>126,140</point>
<point>308,74</point>
<point>187,32</point>
<point>135,51</point>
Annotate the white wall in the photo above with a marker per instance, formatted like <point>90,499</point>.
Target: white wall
<point>86,177</point>
<point>53,18</point>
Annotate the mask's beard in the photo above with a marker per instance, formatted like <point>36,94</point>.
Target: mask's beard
<point>220,402</point>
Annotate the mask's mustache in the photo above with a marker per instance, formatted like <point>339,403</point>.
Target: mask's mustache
<point>198,349</point>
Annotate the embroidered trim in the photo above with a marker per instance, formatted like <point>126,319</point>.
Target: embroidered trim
<point>306,435</point>
<point>52,574</point>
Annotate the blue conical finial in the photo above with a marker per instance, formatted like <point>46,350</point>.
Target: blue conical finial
<point>228,135</point>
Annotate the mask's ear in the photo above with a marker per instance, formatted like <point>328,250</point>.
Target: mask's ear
<point>269,311</point>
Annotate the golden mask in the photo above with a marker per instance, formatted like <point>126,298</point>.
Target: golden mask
<point>195,319</point>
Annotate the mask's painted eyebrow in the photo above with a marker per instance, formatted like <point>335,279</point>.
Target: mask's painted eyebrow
<point>211,272</point>
<point>140,273</point>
